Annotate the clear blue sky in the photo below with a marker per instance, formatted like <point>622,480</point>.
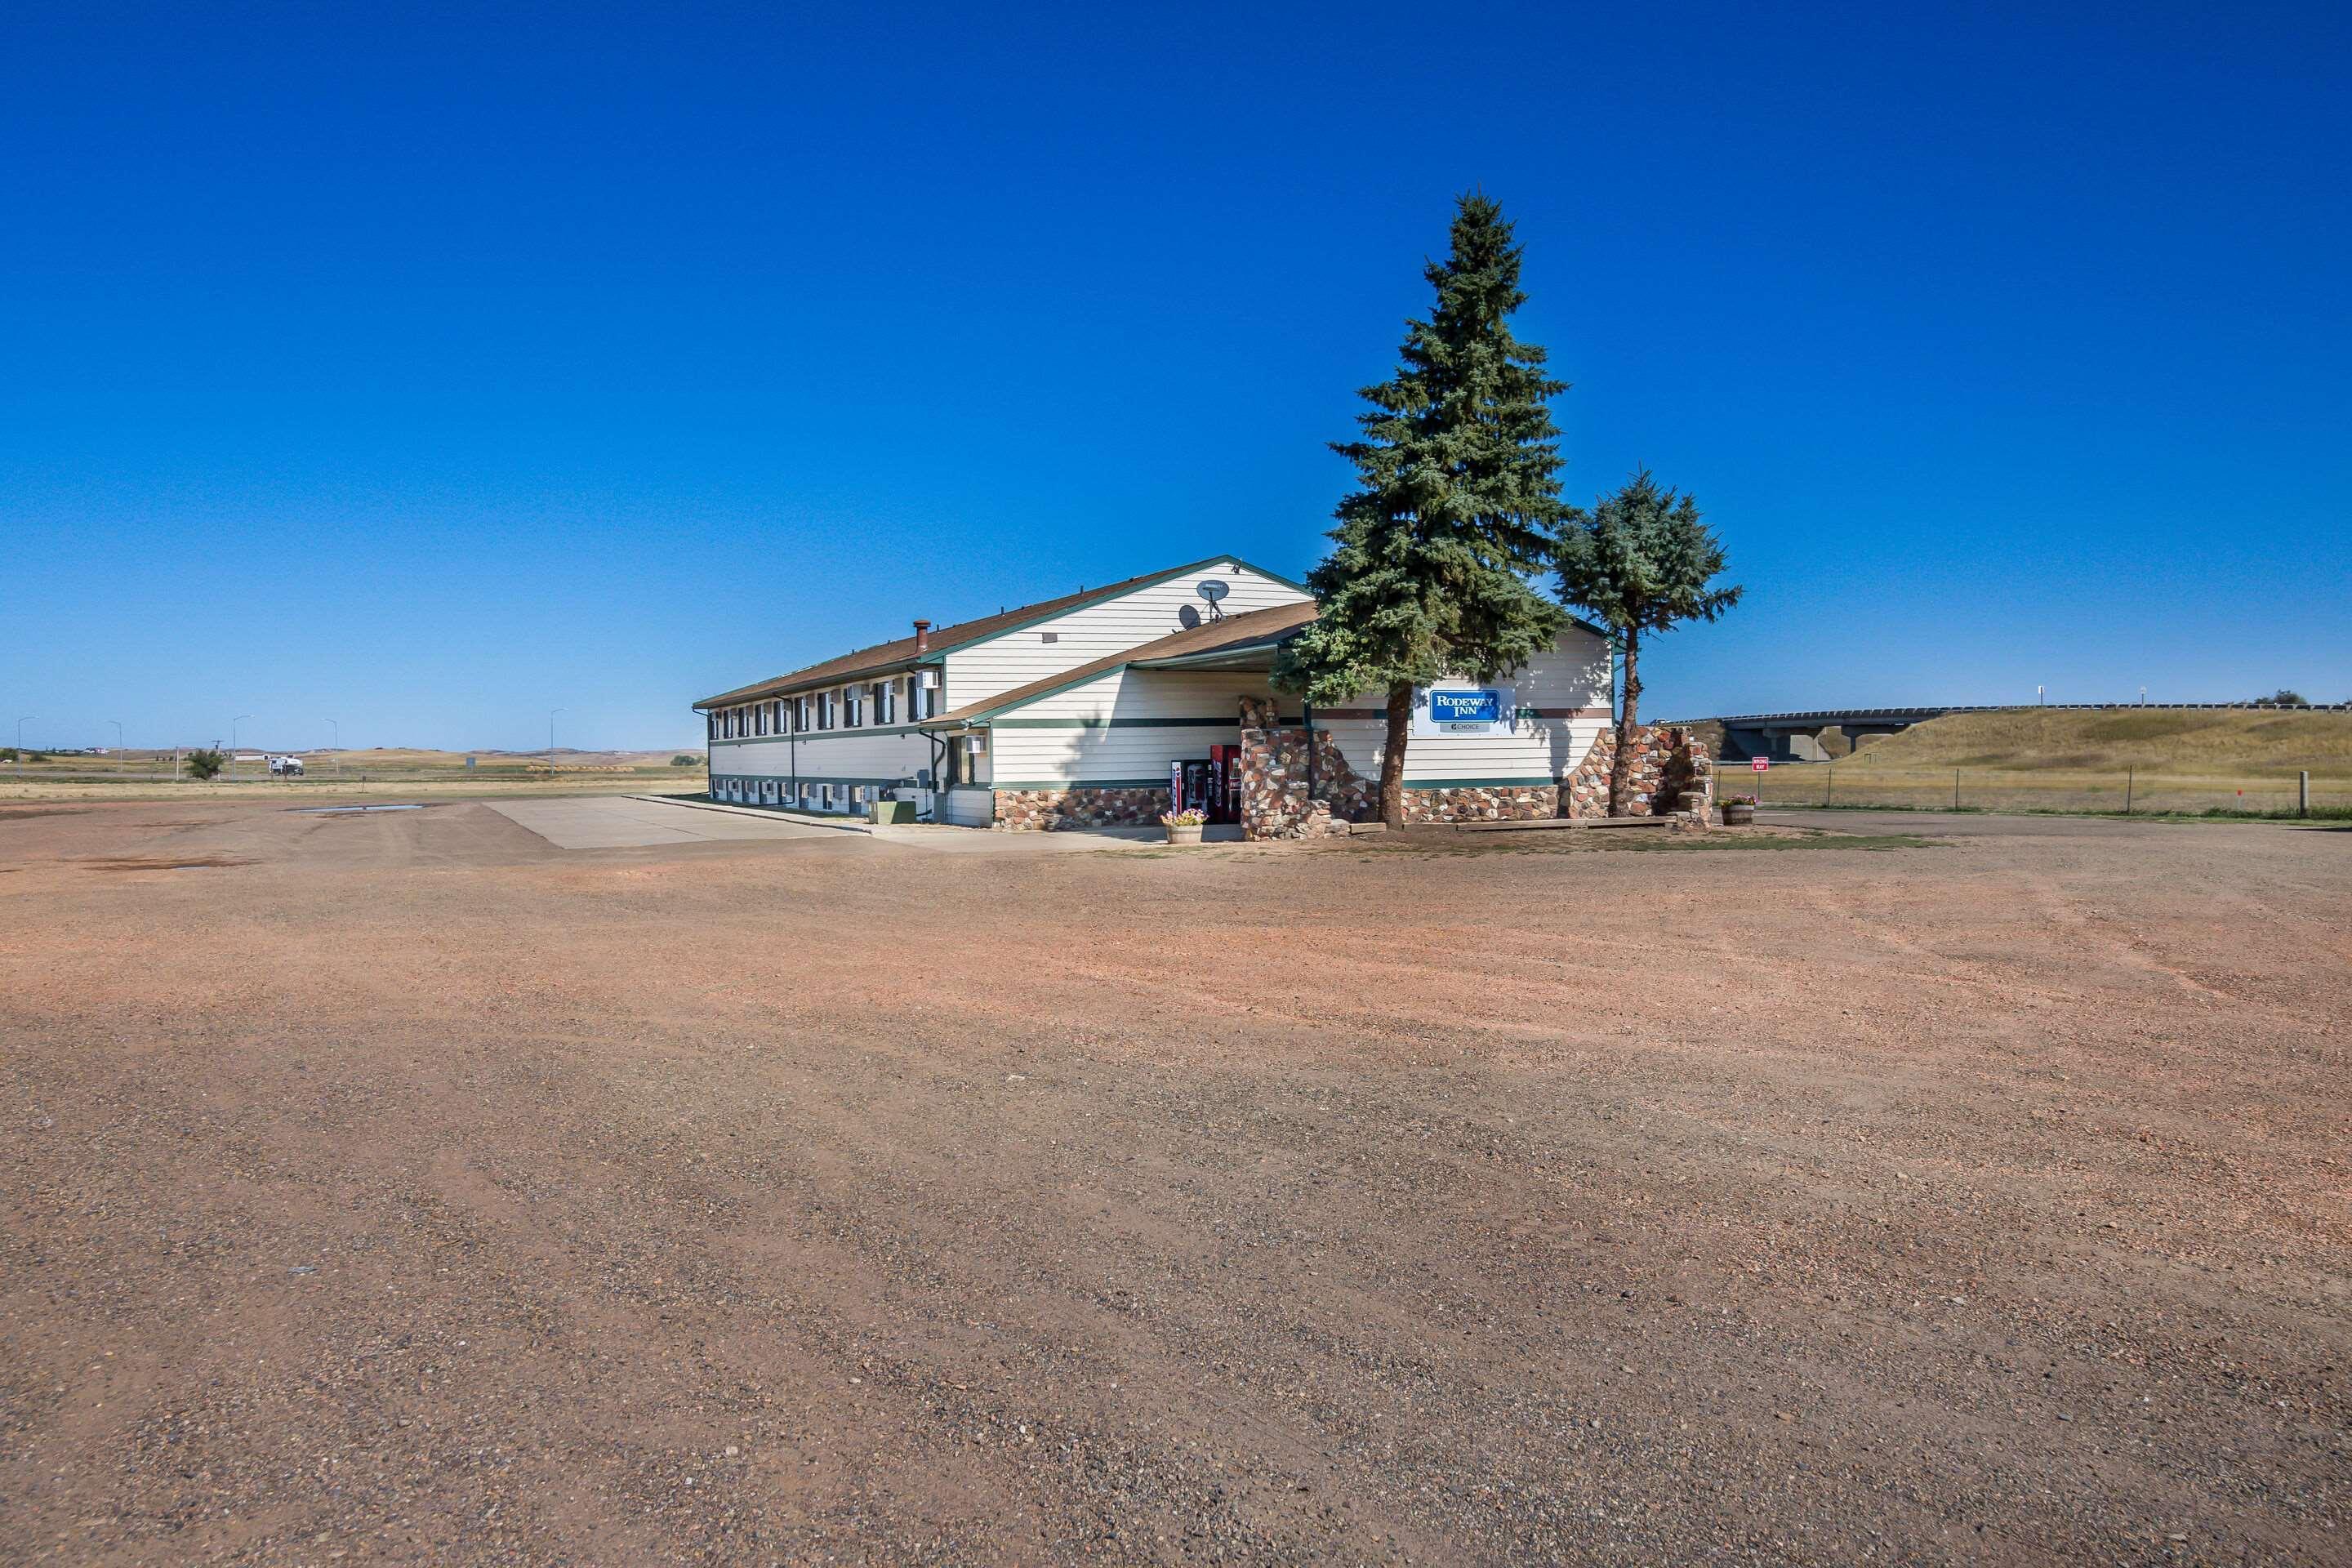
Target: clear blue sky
<point>430,371</point>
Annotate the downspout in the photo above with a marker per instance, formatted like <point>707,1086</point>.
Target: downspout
<point>1307,708</point>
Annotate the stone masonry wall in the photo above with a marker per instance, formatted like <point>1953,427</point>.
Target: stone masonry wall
<point>1049,810</point>
<point>1482,802</point>
<point>1667,762</point>
<point>1275,801</point>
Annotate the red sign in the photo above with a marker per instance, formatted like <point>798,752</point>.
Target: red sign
<point>1759,763</point>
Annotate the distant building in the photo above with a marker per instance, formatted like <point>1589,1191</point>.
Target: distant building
<point>1090,709</point>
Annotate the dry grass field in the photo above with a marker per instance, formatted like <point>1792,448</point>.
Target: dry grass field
<point>2154,761</point>
<point>2232,743</point>
<point>429,774</point>
<point>400,1189</point>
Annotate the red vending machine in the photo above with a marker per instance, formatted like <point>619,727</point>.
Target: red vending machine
<point>1225,783</point>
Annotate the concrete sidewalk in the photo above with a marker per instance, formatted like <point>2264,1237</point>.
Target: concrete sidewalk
<point>626,822</point>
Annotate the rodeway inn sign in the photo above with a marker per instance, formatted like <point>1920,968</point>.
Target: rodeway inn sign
<point>1456,710</point>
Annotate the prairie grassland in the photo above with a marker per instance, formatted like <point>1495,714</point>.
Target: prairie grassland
<point>2209,743</point>
<point>1858,782</point>
<point>147,775</point>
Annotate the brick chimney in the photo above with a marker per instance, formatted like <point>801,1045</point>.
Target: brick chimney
<point>923,637</point>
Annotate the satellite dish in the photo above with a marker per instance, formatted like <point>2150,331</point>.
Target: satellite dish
<point>1187,617</point>
<point>1212,590</point>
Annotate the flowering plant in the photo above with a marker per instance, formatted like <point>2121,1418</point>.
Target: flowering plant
<point>1191,816</point>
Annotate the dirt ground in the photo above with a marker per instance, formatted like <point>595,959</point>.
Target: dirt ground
<point>398,1188</point>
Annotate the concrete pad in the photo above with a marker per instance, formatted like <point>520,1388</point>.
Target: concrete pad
<point>625,822</point>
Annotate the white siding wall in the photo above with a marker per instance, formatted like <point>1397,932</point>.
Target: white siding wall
<point>977,673</point>
<point>1115,729</point>
<point>860,756</point>
<point>1573,677</point>
<point>967,807</point>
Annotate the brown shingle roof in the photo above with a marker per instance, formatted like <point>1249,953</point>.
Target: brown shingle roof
<point>1268,625</point>
<point>883,657</point>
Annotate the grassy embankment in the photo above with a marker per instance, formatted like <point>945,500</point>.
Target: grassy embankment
<point>2159,762</point>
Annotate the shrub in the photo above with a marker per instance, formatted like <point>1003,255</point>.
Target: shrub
<point>206,763</point>
<point>683,761</point>
<point>1189,817</point>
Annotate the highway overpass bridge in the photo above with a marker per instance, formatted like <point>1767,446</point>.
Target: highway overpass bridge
<point>1797,737</point>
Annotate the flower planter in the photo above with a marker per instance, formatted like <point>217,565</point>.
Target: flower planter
<point>1184,834</point>
<point>1738,814</point>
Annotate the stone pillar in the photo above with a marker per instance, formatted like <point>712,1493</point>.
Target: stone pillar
<point>1276,799</point>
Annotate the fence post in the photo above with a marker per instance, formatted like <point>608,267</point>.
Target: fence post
<point>2303,793</point>
<point>1956,789</point>
<point>2128,774</point>
<point>1829,784</point>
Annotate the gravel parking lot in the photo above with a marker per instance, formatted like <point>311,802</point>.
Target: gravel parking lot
<point>399,1187</point>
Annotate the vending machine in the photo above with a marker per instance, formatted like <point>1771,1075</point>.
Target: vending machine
<point>1210,785</point>
<point>1225,783</point>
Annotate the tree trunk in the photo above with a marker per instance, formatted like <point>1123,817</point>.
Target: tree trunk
<point>1628,720</point>
<point>1393,754</point>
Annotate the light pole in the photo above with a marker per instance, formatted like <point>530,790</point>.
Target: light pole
<point>232,741</point>
<point>338,729</point>
<point>118,733</point>
<point>551,738</point>
<point>20,744</point>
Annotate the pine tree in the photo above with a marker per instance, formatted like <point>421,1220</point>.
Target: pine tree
<point>1458,496</point>
<point>1639,561</point>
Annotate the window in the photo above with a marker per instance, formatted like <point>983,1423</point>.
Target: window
<point>759,719</point>
<point>886,705</point>
<point>853,710</point>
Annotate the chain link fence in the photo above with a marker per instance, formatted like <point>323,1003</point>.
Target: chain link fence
<point>2130,790</point>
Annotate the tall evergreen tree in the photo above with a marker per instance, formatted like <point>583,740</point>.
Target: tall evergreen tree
<point>1640,560</point>
<point>1458,495</point>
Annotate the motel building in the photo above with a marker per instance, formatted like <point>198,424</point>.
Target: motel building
<point>1106,706</point>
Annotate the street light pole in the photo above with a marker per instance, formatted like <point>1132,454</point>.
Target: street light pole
<point>232,741</point>
<point>551,738</point>
<point>20,744</point>
<point>338,729</point>
<point>118,733</point>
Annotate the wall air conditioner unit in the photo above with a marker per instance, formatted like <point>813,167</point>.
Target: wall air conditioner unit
<point>929,679</point>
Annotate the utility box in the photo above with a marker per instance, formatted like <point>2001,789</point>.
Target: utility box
<point>891,813</point>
